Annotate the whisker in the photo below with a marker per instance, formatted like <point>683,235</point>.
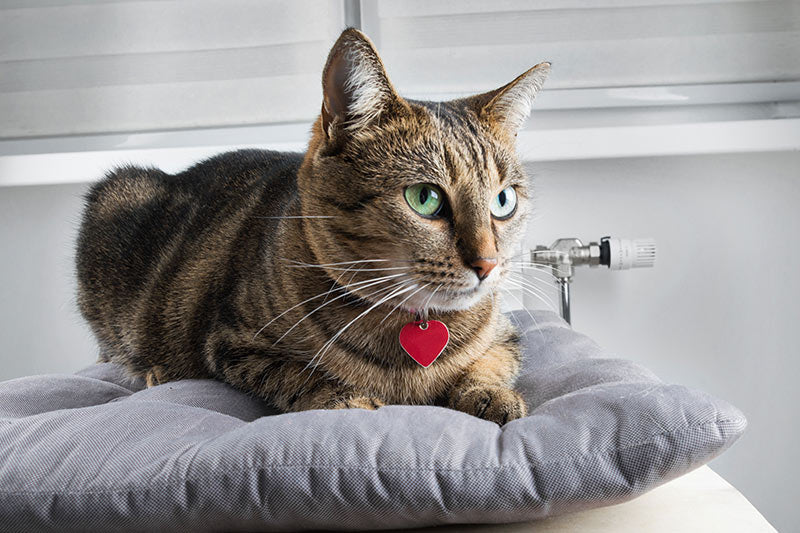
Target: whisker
<point>360,270</point>
<point>348,262</point>
<point>524,281</point>
<point>353,276</point>
<point>528,276</point>
<point>301,216</point>
<point>383,289</point>
<point>550,305</point>
<point>336,282</point>
<point>512,315</point>
<point>428,301</point>
<point>402,302</point>
<point>334,266</point>
<point>349,281</point>
<point>535,252</point>
<point>526,310</point>
<point>529,264</point>
<point>343,305</point>
<point>329,343</point>
<point>543,270</point>
<point>338,263</point>
<point>345,287</point>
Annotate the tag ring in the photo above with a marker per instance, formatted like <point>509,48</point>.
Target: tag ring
<point>422,318</point>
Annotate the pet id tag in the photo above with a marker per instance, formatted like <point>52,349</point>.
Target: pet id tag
<point>424,340</point>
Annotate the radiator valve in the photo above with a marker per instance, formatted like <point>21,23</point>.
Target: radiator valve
<point>617,254</point>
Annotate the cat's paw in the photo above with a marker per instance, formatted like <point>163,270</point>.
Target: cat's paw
<point>357,402</point>
<point>496,404</point>
<point>155,376</point>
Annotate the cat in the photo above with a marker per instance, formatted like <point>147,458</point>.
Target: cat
<point>289,276</point>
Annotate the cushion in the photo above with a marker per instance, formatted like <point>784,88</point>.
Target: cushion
<point>96,451</point>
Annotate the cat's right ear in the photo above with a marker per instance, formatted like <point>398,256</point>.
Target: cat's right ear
<point>355,87</point>
<point>507,107</point>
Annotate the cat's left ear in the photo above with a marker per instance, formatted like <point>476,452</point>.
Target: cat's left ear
<point>355,87</point>
<point>509,106</point>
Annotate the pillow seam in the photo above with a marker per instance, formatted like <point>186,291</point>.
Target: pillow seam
<point>648,441</point>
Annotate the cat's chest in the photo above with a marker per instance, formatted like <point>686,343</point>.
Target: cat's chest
<point>383,367</point>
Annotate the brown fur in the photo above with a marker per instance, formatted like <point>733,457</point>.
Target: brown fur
<point>178,274</point>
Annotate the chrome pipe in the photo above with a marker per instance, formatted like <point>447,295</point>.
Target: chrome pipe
<point>566,314</point>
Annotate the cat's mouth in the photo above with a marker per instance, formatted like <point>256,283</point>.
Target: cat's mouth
<point>405,288</point>
<point>445,298</point>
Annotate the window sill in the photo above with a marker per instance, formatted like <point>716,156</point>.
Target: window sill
<point>86,159</point>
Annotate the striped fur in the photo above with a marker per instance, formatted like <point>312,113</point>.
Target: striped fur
<point>179,274</point>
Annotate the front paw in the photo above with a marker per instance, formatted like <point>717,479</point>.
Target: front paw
<point>496,404</point>
<point>357,402</point>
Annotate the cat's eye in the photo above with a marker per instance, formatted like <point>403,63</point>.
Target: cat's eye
<point>425,198</point>
<point>504,204</point>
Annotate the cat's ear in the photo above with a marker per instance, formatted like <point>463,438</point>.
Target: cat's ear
<point>355,87</point>
<point>509,106</point>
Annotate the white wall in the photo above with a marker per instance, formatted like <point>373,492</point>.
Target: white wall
<point>718,312</point>
<point>40,328</point>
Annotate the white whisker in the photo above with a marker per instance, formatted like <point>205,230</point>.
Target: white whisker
<point>527,268</point>
<point>360,270</point>
<point>321,351</point>
<point>535,252</point>
<point>383,289</point>
<point>425,305</point>
<point>402,302</point>
<point>526,310</point>
<point>550,305</point>
<point>533,266</point>
<point>512,315</point>
<point>302,216</point>
<point>336,282</point>
<point>528,264</point>
<point>340,263</point>
<point>528,277</point>
<point>525,282</point>
<point>358,283</point>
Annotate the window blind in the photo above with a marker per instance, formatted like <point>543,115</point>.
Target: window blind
<point>89,67</point>
<point>85,67</point>
<point>461,46</point>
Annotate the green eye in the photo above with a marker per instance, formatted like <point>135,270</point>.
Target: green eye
<point>425,199</point>
<point>504,204</point>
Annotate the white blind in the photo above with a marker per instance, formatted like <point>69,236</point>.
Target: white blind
<point>83,66</point>
<point>460,46</point>
<point>86,67</point>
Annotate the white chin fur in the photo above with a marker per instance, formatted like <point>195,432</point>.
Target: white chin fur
<point>447,301</point>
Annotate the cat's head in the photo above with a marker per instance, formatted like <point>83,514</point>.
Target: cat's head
<point>431,194</point>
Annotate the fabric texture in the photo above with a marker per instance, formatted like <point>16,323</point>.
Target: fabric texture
<point>97,451</point>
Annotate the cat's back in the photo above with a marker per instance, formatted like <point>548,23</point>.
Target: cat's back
<point>138,222</point>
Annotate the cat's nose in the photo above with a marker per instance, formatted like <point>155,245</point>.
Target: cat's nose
<point>483,265</point>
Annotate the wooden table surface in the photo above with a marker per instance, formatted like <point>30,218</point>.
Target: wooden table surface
<point>700,501</point>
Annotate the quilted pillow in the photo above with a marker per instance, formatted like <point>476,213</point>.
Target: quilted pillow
<point>98,452</point>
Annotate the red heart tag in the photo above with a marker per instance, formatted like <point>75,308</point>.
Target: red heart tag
<point>424,345</point>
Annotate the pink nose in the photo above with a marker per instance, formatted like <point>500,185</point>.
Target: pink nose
<point>483,265</point>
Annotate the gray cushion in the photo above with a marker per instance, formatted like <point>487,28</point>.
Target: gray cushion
<point>95,451</point>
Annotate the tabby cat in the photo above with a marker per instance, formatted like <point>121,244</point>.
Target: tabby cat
<point>289,276</point>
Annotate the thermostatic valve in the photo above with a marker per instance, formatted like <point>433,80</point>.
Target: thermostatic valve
<point>623,254</point>
<point>617,254</point>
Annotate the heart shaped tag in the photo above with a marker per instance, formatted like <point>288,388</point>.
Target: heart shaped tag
<point>424,341</point>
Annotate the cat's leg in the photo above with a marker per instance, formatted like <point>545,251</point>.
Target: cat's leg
<point>155,376</point>
<point>330,395</point>
<point>288,385</point>
<point>160,374</point>
<point>484,390</point>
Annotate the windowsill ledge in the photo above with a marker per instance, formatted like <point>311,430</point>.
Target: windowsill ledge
<point>86,159</point>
